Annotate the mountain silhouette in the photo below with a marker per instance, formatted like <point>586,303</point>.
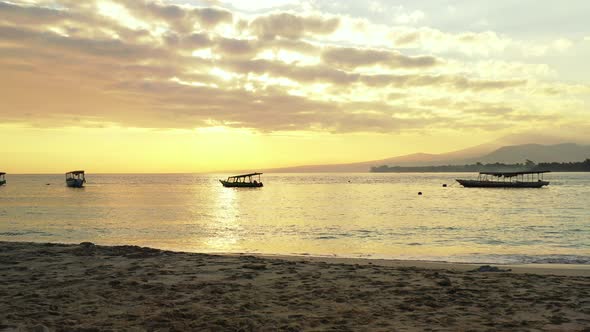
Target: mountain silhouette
<point>485,153</point>
<point>565,152</point>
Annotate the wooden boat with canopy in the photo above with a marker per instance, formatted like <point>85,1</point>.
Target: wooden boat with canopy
<point>75,179</point>
<point>528,179</point>
<point>2,178</point>
<point>244,180</point>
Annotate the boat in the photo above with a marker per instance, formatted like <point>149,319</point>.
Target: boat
<point>75,179</point>
<point>528,179</point>
<point>244,180</point>
<point>2,178</point>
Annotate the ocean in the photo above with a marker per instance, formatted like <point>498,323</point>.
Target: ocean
<point>338,215</point>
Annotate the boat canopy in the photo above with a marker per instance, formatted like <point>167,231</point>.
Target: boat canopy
<point>75,172</point>
<point>2,173</point>
<point>243,176</point>
<point>512,174</point>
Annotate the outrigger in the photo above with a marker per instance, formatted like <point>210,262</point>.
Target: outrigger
<point>528,179</point>
<point>75,179</point>
<point>244,180</point>
<point>2,178</point>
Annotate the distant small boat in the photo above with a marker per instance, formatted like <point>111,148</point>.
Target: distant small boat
<point>75,179</point>
<point>531,179</point>
<point>2,178</point>
<point>244,180</point>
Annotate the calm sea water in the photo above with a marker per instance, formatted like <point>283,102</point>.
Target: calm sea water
<point>349,215</point>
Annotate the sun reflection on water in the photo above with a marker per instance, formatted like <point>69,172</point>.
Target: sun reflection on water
<point>226,228</point>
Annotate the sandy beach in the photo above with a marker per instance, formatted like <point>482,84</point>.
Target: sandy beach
<point>56,287</point>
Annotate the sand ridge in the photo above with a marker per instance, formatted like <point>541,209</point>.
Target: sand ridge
<point>86,287</point>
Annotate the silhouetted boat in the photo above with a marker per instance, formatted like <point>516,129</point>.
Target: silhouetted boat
<point>2,178</point>
<point>244,180</point>
<point>507,180</point>
<point>75,179</point>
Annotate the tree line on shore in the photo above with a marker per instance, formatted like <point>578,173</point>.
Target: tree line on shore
<point>528,165</point>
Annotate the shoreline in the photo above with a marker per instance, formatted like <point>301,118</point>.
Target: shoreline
<point>533,268</point>
<point>58,287</point>
<point>563,269</point>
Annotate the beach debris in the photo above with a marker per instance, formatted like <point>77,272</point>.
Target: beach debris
<point>488,268</point>
<point>419,193</point>
<point>254,266</point>
<point>135,251</point>
<point>85,249</point>
<point>445,282</point>
<point>114,283</point>
<point>444,185</point>
<point>39,328</point>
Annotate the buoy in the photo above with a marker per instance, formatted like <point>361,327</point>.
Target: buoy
<point>444,185</point>
<point>419,193</point>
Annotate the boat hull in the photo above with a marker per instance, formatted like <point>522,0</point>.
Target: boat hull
<point>499,184</point>
<point>75,183</point>
<point>2,182</point>
<point>241,184</point>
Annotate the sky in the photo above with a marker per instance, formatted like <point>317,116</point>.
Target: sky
<point>117,86</point>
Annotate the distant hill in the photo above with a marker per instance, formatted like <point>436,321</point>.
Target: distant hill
<point>528,166</point>
<point>538,153</point>
<point>486,153</point>
<point>415,159</point>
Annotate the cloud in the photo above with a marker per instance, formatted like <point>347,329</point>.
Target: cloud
<point>274,111</point>
<point>161,65</point>
<point>111,48</point>
<point>181,18</point>
<point>562,44</point>
<point>354,57</point>
<point>292,26</point>
<point>469,43</point>
<point>192,41</point>
<point>31,14</point>
<point>236,47</point>
<point>326,74</point>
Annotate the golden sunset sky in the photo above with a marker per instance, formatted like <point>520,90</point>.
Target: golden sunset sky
<point>206,86</point>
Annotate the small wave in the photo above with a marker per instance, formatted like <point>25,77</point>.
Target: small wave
<point>22,233</point>
<point>493,242</point>
<point>520,259</point>
<point>562,260</point>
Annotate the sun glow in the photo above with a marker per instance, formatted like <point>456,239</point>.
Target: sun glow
<point>120,14</point>
<point>205,53</point>
<point>223,74</point>
<point>192,83</point>
<point>288,57</point>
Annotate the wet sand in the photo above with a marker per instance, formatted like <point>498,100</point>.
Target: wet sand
<point>47,287</point>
